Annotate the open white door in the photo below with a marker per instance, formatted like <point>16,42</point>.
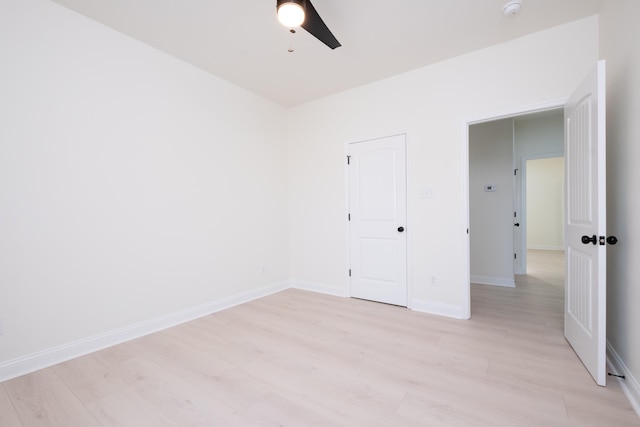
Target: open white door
<point>377,203</point>
<point>585,228</point>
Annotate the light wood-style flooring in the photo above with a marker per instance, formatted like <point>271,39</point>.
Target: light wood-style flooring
<point>546,267</point>
<point>298,358</point>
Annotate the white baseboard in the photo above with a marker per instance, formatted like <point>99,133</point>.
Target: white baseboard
<point>320,288</point>
<point>43,359</point>
<point>495,281</point>
<point>630,384</point>
<point>447,310</point>
<point>546,247</point>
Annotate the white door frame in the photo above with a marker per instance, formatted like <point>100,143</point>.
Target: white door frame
<point>464,150</point>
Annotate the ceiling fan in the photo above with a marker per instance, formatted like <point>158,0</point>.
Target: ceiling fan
<point>294,13</point>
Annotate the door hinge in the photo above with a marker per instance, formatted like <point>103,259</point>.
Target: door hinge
<point>349,217</point>
<point>515,172</point>
<point>348,160</point>
<point>349,272</point>
<point>515,215</point>
<point>515,256</point>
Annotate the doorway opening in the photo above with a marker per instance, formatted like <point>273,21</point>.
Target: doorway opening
<point>585,220</point>
<point>516,199</point>
<point>544,212</point>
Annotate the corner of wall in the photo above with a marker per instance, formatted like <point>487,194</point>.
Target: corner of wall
<point>321,288</point>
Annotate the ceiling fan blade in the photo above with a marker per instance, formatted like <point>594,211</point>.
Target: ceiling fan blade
<point>317,28</point>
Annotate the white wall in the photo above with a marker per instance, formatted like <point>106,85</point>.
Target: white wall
<point>539,135</point>
<point>618,33</point>
<point>545,201</point>
<point>491,212</point>
<point>132,185</point>
<point>431,104</point>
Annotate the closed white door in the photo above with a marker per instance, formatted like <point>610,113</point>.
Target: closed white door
<point>585,227</point>
<point>377,226</point>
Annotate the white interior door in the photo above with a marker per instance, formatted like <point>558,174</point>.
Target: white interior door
<point>585,227</point>
<point>377,204</point>
<point>519,240</point>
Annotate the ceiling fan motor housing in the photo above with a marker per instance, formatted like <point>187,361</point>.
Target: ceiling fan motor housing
<point>306,16</point>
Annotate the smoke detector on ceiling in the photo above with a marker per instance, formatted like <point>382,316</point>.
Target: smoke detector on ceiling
<point>511,7</point>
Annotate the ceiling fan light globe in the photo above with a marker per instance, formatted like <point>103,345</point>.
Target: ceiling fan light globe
<point>291,14</point>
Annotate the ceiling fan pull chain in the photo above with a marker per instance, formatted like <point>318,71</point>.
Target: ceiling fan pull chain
<point>292,31</point>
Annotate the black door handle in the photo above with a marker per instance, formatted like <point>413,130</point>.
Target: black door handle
<point>517,224</point>
<point>612,240</point>
<point>400,229</point>
<point>586,239</point>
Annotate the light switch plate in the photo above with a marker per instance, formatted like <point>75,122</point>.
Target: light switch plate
<point>426,193</point>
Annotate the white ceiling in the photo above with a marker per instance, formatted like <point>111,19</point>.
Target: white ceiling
<point>242,42</point>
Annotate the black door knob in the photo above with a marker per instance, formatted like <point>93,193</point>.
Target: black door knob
<point>400,229</point>
<point>517,224</point>
<point>586,239</point>
<point>612,240</point>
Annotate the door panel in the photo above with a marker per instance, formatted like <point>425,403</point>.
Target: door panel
<point>585,290</point>
<point>377,200</point>
<point>520,261</point>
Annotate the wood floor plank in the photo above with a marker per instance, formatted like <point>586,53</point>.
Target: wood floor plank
<point>276,410</point>
<point>43,399</point>
<point>601,406</point>
<point>213,375</point>
<point>89,378</point>
<point>127,408</point>
<point>8,415</point>
<point>183,402</point>
<point>483,400</point>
